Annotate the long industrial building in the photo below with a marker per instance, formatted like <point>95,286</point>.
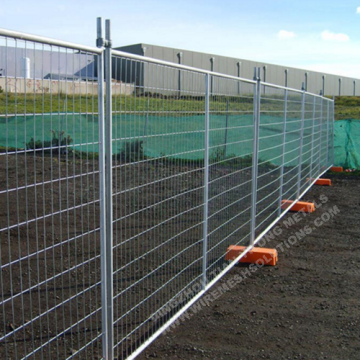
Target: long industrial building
<point>72,65</point>
<point>313,81</point>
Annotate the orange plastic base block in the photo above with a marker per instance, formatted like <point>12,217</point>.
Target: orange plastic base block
<point>257,255</point>
<point>323,182</point>
<point>300,206</point>
<point>337,169</point>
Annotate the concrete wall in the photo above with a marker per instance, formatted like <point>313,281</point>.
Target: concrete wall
<point>31,86</point>
<point>275,74</point>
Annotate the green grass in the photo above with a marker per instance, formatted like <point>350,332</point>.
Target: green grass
<point>346,107</point>
<point>46,103</point>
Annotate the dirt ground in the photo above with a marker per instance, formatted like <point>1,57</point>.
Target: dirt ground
<point>306,307</point>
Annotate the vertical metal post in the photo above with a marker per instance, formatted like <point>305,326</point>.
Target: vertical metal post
<point>332,133</point>
<point>109,203</point>
<point>321,120</point>
<point>257,97</point>
<point>102,191</point>
<point>206,177</point>
<point>301,140</point>
<point>212,59</point>
<point>312,139</point>
<point>327,133</point>
<point>226,127</point>
<point>283,153</point>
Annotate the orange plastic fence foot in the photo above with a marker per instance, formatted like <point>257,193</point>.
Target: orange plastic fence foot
<point>257,255</point>
<point>320,181</point>
<point>300,206</point>
<point>337,169</point>
<point>323,182</point>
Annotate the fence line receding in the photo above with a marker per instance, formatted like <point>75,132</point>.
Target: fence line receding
<point>119,198</point>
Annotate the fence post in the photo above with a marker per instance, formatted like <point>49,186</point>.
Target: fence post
<point>312,139</point>
<point>283,152</point>
<point>206,178</point>
<point>327,133</point>
<point>108,343</point>
<point>332,133</point>
<point>255,158</point>
<point>102,193</point>
<point>301,140</point>
<point>321,120</point>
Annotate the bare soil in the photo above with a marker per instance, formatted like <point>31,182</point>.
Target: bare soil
<point>306,307</point>
<point>50,263</point>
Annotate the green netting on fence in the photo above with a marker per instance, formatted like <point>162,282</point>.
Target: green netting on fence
<point>347,143</point>
<point>178,137</point>
<point>173,136</point>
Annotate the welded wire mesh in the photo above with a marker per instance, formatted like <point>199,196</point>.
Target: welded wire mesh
<point>49,221</point>
<point>183,191</point>
<point>195,162</point>
<point>230,168</point>
<point>158,177</point>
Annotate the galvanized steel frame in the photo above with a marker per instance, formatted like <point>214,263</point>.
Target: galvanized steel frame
<point>106,192</point>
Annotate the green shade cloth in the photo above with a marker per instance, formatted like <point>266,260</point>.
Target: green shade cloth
<point>347,143</point>
<point>182,136</point>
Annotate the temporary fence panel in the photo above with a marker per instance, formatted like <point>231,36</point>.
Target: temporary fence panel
<point>115,222</point>
<point>50,213</point>
<point>158,200</point>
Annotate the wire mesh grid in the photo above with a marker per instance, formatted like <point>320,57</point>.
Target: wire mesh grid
<point>230,167</point>
<point>49,222</point>
<point>195,162</point>
<point>158,187</point>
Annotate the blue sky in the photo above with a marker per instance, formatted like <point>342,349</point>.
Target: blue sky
<point>315,35</point>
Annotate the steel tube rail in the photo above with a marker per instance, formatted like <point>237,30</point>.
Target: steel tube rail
<point>102,193</point>
<point>206,179</point>
<point>327,132</point>
<point>301,142</point>
<point>312,138</point>
<point>332,128</point>
<point>109,195</point>
<point>44,40</point>
<point>321,130</point>
<point>283,152</point>
<point>257,97</point>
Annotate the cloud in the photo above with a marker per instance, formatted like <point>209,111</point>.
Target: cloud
<point>327,35</point>
<point>284,35</point>
<point>358,10</point>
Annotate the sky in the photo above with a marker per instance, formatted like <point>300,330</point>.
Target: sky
<point>315,35</point>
